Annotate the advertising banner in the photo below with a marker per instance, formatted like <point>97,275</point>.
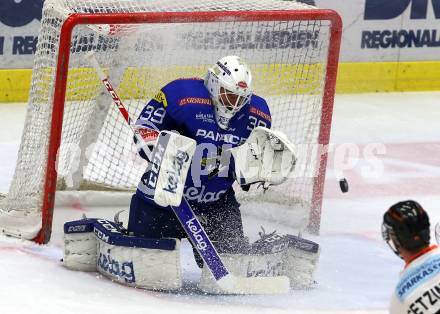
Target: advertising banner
<point>391,30</point>
<point>19,25</point>
<point>374,30</point>
<point>387,45</point>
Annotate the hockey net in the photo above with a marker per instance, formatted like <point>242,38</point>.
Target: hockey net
<point>75,139</point>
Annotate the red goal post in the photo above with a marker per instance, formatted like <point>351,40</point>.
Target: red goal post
<point>61,86</point>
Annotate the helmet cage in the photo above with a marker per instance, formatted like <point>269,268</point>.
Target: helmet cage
<point>390,238</point>
<point>232,101</point>
<point>437,232</point>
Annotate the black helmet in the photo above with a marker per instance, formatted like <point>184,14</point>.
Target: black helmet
<point>406,225</point>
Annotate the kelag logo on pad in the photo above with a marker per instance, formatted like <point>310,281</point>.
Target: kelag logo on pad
<point>19,13</point>
<point>389,9</point>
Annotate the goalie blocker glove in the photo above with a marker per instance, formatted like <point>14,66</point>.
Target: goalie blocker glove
<point>164,179</point>
<point>266,156</point>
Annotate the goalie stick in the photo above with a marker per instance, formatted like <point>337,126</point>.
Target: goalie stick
<point>227,282</point>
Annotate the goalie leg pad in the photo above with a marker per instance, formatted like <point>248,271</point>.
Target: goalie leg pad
<point>288,255</point>
<point>80,251</point>
<point>301,262</point>
<point>101,245</point>
<point>80,245</point>
<point>141,267</point>
<point>299,257</point>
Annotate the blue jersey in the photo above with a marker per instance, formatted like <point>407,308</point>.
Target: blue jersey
<point>185,105</point>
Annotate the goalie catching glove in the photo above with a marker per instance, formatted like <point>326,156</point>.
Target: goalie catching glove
<point>266,156</point>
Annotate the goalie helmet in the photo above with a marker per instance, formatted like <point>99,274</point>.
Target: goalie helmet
<point>229,83</point>
<point>406,225</point>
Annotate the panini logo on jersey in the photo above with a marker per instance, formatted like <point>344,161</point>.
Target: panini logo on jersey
<point>215,136</point>
<point>418,276</point>
<point>121,269</point>
<point>194,100</point>
<point>205,117</point>
<point>260,113</point>
<point>161,98</point>
<point>174,175</point>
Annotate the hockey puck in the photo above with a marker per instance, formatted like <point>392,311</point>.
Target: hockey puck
<point>343,184</point>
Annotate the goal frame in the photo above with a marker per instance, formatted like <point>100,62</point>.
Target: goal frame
<point>50,179</point>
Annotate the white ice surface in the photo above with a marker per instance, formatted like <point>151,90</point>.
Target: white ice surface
<point>356,273</point>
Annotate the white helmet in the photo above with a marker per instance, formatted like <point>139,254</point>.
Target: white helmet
<point>229,83</point>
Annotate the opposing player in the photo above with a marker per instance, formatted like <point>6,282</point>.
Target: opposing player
<point>231,127</point>
<point>406,229</point>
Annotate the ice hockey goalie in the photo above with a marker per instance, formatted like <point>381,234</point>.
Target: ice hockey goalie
<point>230,126</point>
